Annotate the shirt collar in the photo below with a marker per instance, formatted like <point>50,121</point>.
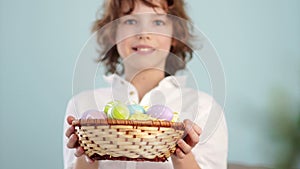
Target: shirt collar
<point>176,81</point>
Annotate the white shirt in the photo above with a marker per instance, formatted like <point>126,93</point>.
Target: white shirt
<point>210,152</point>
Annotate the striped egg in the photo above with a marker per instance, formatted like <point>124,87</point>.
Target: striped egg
<point>160,112</point>
<point>119,111</point>
<point>135,108</point>
<point>109,106</point>
<point>93,114</point>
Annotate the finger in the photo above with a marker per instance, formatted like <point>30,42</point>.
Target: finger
<point>193,132</point>
<point>79,152</point>
<point>70,131</point>
<point>179,153</point>
<point>197,129</point>
<point>184,146</point>
<point>72,141</point>
<point>70,119</point>
<point>192,138</point>
<point>188,125</point>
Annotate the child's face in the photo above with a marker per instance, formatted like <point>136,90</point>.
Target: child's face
<point>145,36</point>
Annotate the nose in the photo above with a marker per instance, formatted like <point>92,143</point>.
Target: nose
<point>143,36</point>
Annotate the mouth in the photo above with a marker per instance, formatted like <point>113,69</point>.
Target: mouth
<point>143,49</point>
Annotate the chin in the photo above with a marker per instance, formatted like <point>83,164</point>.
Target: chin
<point>141,62</point>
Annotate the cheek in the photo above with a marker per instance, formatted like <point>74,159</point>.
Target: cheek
<point>124,48</point>
<point>121,49</point>
<point>166,43</point>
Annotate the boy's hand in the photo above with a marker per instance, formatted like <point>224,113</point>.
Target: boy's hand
<point>73,140</point>
<point>191,139</point>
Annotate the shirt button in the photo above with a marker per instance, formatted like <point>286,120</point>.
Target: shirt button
<point>131,92</point>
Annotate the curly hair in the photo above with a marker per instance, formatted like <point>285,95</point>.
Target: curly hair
<point>180,52</point>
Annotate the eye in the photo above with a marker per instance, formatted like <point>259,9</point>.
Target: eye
<point>159,22</point>
<point>130,22</point>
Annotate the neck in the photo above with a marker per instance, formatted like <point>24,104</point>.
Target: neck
<point>145,80</point>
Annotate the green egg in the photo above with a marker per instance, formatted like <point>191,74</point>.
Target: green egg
<point>110,105</point>
<point>120,111</point>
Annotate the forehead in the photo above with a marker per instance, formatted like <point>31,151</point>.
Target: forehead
<point>143,6</point>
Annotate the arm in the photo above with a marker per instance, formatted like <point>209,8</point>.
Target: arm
<point>183,157</point>
<point>212,149</point>
<point>187,162</point>
<point>82,161</point>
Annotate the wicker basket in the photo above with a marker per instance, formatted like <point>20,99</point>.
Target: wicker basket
<point>129,140</point>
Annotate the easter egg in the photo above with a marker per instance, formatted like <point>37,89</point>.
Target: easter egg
<point>119,111</point>
<point>160,112</point>
<point>140,116</point>
<point>135,108</point>
<point>93,114</point>
<point>110,105</point>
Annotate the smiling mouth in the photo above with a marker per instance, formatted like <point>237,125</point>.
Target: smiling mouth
<point>143,50</point>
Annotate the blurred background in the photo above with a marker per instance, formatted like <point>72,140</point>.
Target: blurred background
<point>258,43</point>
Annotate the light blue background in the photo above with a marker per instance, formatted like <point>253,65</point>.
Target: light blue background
<point>258,42</point>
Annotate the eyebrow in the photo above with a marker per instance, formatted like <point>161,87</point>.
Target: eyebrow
<point>140,16</point>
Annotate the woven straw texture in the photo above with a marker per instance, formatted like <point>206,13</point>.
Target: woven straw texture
<point>128,139</point>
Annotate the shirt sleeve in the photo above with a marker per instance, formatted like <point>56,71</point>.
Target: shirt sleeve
<point>68,154</point>
<point>212,149</point>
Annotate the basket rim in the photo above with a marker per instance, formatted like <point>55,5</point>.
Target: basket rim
<point>123,158</point>
<point>149,123</point>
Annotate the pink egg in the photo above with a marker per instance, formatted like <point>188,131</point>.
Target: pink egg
<point>93,114</point>
<point>160,112</point>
